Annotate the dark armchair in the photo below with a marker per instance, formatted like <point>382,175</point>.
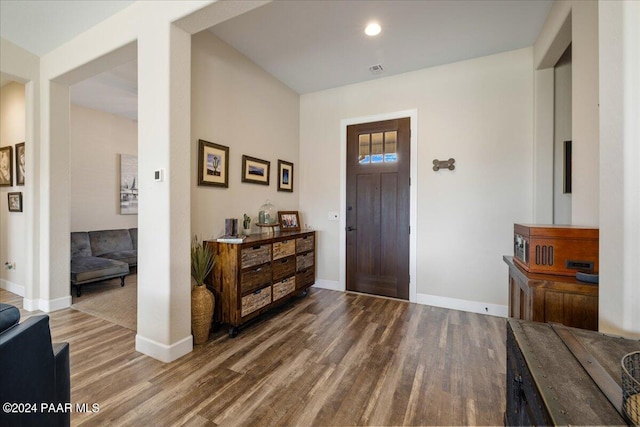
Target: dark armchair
<point>32,371</point>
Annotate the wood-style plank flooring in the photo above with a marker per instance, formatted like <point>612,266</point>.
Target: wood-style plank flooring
<point>330,359</point>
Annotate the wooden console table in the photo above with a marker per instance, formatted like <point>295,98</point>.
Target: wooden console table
<point>262,272</point>
<point>551,298</point>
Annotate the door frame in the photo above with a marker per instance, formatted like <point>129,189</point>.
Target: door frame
<point>413,193</point>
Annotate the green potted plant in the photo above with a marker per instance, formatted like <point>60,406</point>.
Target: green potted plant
<point>246,225</point>
<point>202,300</point>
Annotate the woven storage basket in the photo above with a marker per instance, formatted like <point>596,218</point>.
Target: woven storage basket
<point>202,303</point>
<point>256,300</point>
<point>631,387</point>
<point>283,288</point>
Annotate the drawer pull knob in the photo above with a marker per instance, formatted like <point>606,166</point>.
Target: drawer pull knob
<point>284,261</point>
<point>258,269</point>
<point>256,247</point>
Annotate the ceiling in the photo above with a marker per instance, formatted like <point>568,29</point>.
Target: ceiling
<point>308,45</point>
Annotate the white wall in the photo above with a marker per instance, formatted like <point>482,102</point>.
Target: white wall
<point>619,173</point>
<point>24,67</point>
<point>562,133</point>
<point>97,140</point>
<point>13,225</point>
<point>479,112</point>
<point>237,104</point>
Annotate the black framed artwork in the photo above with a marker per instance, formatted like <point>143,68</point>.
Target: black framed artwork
<point>285,176</point>
<point>213,164</point>
<point>255,171</point>
<point>6,166</point>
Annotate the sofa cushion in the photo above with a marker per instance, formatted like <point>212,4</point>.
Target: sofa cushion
<point>9,316</point>
<point>107,241</point>
<point>80,244</point>
<point>130,257</point>
<point>133,232</point>
<point>87,269</point>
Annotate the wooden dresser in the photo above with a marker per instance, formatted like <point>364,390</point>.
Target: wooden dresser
<point>551,298</point>
<point>265,270</point>
<point>563,376</point>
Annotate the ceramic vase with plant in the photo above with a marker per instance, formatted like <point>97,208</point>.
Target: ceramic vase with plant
<point>202,300</point>
<point>246,225</point>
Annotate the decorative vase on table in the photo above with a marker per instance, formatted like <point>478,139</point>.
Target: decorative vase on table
<point>202,300</point>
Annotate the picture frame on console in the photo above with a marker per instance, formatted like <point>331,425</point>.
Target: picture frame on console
<point>285,176</point>
<point>255,171</point>
<point>213,164</point>
<point>289,220</point>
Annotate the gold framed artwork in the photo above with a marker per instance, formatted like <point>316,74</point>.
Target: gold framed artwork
<point>20,163</point>
<point>289,220</point>
<point>255,171</point>
<point>6,166</point>
<point>285,176</point>
<point>213,164</point>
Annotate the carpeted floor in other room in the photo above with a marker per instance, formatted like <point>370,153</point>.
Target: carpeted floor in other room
<point>109,301</point>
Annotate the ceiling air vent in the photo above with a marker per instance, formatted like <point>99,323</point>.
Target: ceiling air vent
<point>376,69</point>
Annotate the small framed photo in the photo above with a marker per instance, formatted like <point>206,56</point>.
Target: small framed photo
<point>285,176</point>
<point>255,171</point>
<point>15,202</point>
<point>6,166</point>
<point>213,164</point>
<point>289,220</point>
<point>20,163</point>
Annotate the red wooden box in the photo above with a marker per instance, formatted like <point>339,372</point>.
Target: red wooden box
<point>556,249</point>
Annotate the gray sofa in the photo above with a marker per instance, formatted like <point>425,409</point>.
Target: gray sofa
<point>102,255</point>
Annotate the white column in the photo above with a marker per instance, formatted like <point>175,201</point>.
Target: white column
<point>164,281</point>
<point>54,197</point>
<point>585,122</point>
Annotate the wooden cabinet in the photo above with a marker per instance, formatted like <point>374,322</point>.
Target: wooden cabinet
<point>563,376</point>
<point>551,298</point>
<point>264,271</point>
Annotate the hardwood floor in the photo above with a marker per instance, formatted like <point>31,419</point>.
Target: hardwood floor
<point>330,359</point>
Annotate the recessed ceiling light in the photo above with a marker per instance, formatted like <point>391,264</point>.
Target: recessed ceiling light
<point>373,29</point>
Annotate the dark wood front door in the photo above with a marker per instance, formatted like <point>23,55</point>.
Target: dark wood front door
<point>378,165</point>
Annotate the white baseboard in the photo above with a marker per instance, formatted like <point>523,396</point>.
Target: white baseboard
<point>55,304</point>
<point>46,306</point>
<point>464,305</point>
<point>328,284</point>
<point>12,287</point>
<point>31,304</point>
<point>162,352</point>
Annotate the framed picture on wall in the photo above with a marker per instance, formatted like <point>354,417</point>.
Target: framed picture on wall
<point>128,184</point>
<point>213,164</point>
<point>289,220</point>
<point>20,163</point>
<point>255,171</point>
<point>6,166</point>
<point>15,202</point>
<point>285,176</point>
